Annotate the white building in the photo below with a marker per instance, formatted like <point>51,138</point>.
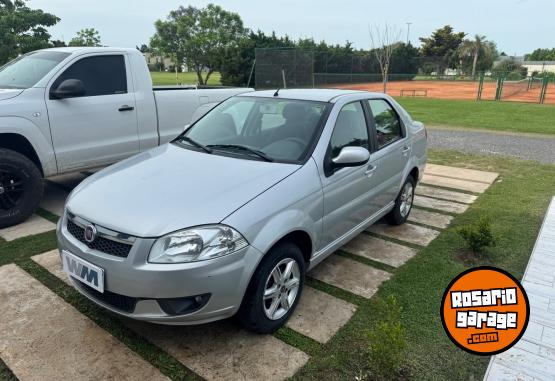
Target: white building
<point>539,66</point>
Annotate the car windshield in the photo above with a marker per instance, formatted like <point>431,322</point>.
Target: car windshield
<point>269,129</point>
<point>27,70</point>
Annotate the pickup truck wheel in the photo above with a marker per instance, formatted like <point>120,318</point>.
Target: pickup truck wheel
<point>20,187</point>
<point>274,290</point>
<point>403,203</point>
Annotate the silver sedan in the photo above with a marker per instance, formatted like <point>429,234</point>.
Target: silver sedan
<point>227,218</point>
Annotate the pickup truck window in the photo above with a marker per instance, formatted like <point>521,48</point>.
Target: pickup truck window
<point>386,120</point>
<point>101,75</point>
<point>25,71</point>
<point>284,130</point>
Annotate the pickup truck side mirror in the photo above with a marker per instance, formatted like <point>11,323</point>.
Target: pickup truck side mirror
<point>70,88</point>
<point>351,157</point>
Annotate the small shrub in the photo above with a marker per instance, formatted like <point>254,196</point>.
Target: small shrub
<point>478,235</point>
<point>387,343</point>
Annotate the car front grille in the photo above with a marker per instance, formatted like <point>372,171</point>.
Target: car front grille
<point>102,244</point>
<point>117,301</point>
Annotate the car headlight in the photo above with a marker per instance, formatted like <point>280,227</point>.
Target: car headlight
<point>196,244</point>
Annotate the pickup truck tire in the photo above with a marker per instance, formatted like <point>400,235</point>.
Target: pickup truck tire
<point>254,311</point>
<point>403,204</point>
<point>21,187</point>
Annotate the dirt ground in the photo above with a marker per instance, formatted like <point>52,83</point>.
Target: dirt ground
<point>451,90</point>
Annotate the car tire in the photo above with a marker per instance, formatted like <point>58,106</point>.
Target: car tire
<point>403,204</point>
<point>21,187</point>
<point>256,309</point>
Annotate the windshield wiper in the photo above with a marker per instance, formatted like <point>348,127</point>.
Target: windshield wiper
<point>256,152</point>
<point>196,144</point>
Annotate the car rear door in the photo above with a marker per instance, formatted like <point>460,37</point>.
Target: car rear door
<point>392,150</point>
<point>99,127</point>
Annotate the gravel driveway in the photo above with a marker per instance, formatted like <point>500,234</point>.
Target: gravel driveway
<point>521,146</point>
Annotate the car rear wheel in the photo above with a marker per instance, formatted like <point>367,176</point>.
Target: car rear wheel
<point>403,203</point>
<point>20,187</point>
<point>275,289</point>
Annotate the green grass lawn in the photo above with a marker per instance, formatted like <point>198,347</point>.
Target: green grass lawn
<point>500,116</point>
<point>163,78</point>
<point>516,204</point>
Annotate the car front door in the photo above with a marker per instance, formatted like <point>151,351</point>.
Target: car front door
<point>392,150</point>
<point>98,127</point>
<point>347,191</point>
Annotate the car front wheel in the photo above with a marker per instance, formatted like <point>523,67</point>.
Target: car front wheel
<point>275,289</point>
<point>403,203</point>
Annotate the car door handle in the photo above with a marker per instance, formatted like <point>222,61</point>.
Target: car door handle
<point>370,170</point>
<point>405,151</point>
<point>126,108</point>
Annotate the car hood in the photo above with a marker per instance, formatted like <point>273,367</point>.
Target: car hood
<point>171,188</point>
<point>9,93</point>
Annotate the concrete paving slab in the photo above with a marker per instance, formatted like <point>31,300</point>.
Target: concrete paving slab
<point>445,194</point>
<point>350,275</point>
<point>379,250</point>
<point>54,199</point>
<point>433,219</point>
<point>222,351</point>
<point>461,173</point>
<point>34,225</point>
<point>448,182</point>
<point>51,262</point>
<point>44,338</point>
<point>319,315</point>
<point>415,234</point>
<point>441,205</point>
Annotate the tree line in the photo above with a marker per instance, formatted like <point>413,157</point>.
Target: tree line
<point>211,39</point>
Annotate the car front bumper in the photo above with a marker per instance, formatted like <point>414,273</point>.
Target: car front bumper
<point>223,280</point>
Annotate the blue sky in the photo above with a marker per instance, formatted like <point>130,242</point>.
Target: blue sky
<point>518,26</point>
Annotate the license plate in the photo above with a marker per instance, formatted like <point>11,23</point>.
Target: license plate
<point>83,271</point>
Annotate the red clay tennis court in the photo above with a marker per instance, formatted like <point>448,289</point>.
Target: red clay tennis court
<point>453,90</point>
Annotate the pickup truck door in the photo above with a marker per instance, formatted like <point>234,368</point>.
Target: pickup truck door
<point>99,127</point>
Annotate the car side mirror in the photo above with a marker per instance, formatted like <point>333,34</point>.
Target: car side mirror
<point>70,88</point>
<point>351,157</point>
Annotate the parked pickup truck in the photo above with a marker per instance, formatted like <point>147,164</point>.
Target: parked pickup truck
<point>71,109</point>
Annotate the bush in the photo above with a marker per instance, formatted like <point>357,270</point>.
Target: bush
<point>478,235</point>
<point>387,343</point>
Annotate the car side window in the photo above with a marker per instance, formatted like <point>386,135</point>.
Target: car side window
<point>350,129</point>
<point>387,122</point>
<point>101,75</point>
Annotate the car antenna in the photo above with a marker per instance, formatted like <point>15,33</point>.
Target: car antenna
<point>277,92</point>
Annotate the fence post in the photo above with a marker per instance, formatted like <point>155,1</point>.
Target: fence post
<point>499,89</point>
<point>480,86</point>
<point>545,83</point>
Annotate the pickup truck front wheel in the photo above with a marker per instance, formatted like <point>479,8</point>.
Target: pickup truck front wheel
<point>20,187</point>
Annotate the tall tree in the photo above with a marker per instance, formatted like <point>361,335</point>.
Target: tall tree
<point>199,37</point>
<point>541,55</point>
<point>384,41</point>
<point>86,37</point>
<point>475,48</point>
<point>22,29</point>
<point>442,46</point>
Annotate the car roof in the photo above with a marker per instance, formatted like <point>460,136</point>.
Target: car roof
<point>319,95</point>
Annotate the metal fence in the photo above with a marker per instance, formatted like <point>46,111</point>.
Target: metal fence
<point>408,76</point>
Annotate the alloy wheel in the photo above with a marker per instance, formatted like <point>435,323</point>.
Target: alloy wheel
<point>12,188</point>
<point>281,289</point>
<point>407,196</point>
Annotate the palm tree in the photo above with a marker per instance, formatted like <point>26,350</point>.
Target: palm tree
<point>474,48</point>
